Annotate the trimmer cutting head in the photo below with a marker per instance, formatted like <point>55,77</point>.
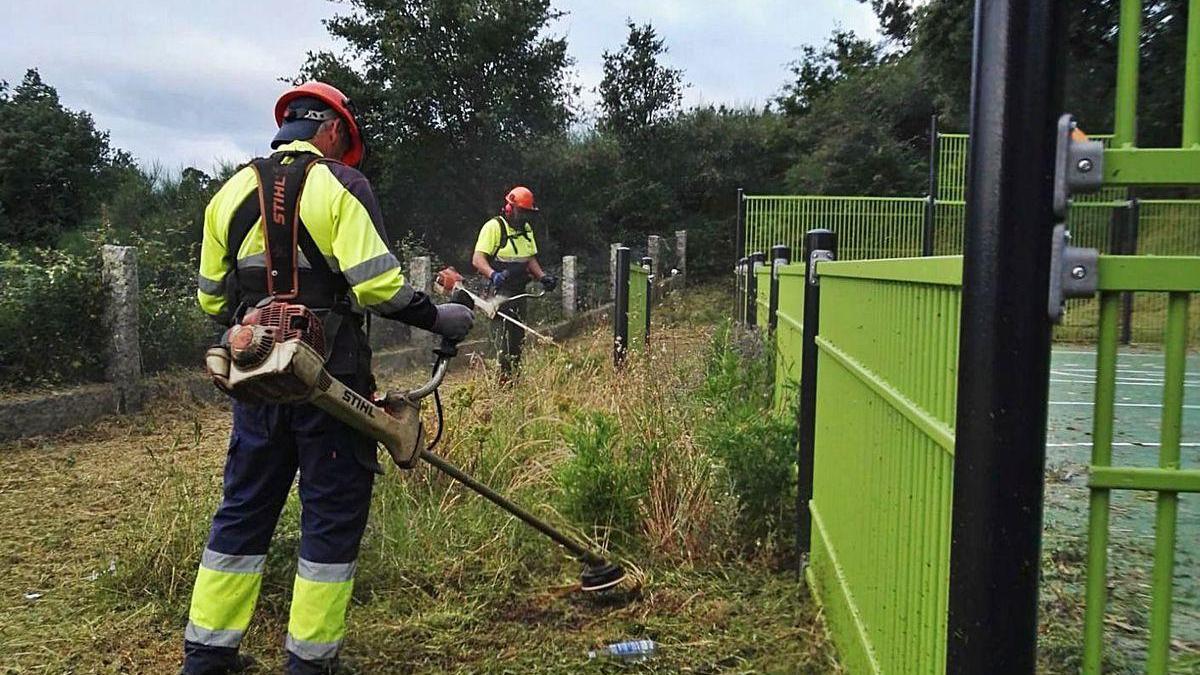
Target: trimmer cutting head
<point>600,577</point>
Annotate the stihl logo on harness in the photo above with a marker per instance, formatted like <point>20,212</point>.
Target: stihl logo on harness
<point>278,209</point>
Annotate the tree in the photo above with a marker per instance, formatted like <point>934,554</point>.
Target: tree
<point>895,18</point>
<point>638,92</point>
<point>817,71</point>
<point>451,90</point>
<point>52,161</point>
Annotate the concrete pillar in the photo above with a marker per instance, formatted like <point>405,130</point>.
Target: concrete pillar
<point>612,270</point>
<point>420,273</point>
<point>569,285</point>
<point>420,277</point>
<point>124,368</point>
<point>654,250</point>
<point>681,254</point>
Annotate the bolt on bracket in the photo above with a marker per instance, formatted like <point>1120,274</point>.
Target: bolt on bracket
<point>1074,272</point>
<point>1078,165</point>
<point>815,257</point>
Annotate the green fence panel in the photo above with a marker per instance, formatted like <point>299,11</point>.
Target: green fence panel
<point>638,298</point>
<point>789,333</point>
<point>952,167</point>
<point>1179,278</point>
<point>886,386</point>
<point>867,227</point>
<point>762,281</point>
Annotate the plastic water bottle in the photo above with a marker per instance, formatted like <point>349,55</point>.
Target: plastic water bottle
<point>629,650</point>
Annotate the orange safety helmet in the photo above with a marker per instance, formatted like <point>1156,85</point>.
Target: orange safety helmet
<point>520,197</point>
<point>338,102</point>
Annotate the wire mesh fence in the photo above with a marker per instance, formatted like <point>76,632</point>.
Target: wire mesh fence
<point>896,227</point>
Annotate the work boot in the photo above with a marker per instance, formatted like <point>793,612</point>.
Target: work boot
<point>241,663</point>
<point>334,666</point>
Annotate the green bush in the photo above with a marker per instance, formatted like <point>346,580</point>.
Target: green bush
<point>601,483</point>
<point>51,309</point>
<point>757,448</point>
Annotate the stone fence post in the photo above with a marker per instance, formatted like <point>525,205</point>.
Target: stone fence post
<point>569,286</point>
<point>612,270</point>
<point>124,368</point>
<point>681,254</point>
<point>654,250</point>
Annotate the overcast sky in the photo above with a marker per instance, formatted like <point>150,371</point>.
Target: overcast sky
<point>190,83</point>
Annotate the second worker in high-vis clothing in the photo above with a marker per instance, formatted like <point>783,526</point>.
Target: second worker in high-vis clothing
<point>344,268</point>
<point>506,254</point>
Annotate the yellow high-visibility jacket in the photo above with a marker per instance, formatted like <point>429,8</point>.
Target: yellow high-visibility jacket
<point>341,214</point>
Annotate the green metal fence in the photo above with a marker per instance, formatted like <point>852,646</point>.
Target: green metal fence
<point>886,382</point>
<point>867,227</point>
<point>762,280</point>
<point>639,297</point>
<point>1178,278</point>
<point>789,331</point>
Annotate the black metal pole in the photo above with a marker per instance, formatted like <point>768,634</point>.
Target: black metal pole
<point>739,313</point>
<point>1004,346</point>
<point>739,246</point>
<point>806,414</point>
<point>931,198</point>
<point>757,258</point>
<point>621,307</point>
<point>648,265</point>
<point>1130,244</point>
<point>780,256</point>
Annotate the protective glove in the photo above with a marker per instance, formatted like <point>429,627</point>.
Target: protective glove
<point>549,282</point>
<point>453,321</point>
<point>498,277</point>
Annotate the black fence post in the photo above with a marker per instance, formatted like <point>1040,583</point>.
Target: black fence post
<point>739,246</point>
<point>931,198</point>
<point>1130,244</point>
<point>818,245</point>
<point>1004,344</point>
<point>757,258</point>
<point>621,307</point>
<point>648,265</point>
<point>739,313</point>
<point>780,256</point>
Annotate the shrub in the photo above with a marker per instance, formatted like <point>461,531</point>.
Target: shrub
<point>51,309</point>
<point>757,448</point>
<point>601,482</point>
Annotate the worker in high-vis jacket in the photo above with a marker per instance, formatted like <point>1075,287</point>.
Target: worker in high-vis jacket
<point>506,255</point>
<point>345,269</point>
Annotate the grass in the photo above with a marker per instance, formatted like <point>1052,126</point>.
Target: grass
<point>104,528</point>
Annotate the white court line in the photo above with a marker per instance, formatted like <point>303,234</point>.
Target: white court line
<point>1086,444</point>
<point>1130,383</point>
<point>1123,405</point>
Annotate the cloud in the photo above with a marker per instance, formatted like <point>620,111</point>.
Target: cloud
<point>185,83</point>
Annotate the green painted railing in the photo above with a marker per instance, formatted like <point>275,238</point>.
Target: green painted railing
<point>638,297</point>
<point>789,333</point>
<point>1178,278</point>
<point>867,227</point>
<point>952,167</point>
<point>886,383</point>
<point>762,280</point>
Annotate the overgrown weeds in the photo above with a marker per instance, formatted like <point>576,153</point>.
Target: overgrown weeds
<point>447,583</point>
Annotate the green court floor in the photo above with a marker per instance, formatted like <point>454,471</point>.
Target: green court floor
<point>1136,439</point>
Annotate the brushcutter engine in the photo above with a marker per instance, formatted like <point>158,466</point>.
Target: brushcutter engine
<point>277,355</point>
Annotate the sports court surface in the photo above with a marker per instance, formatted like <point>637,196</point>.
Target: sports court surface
<point>1135,443</point>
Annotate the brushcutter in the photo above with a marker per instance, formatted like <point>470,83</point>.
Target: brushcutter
<point>275,355</point>
<point>450,282</point>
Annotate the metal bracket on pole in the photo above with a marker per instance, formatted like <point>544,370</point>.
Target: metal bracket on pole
<point>819,255</point>
<point>1074,272</point>
<point>1079,165</point>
